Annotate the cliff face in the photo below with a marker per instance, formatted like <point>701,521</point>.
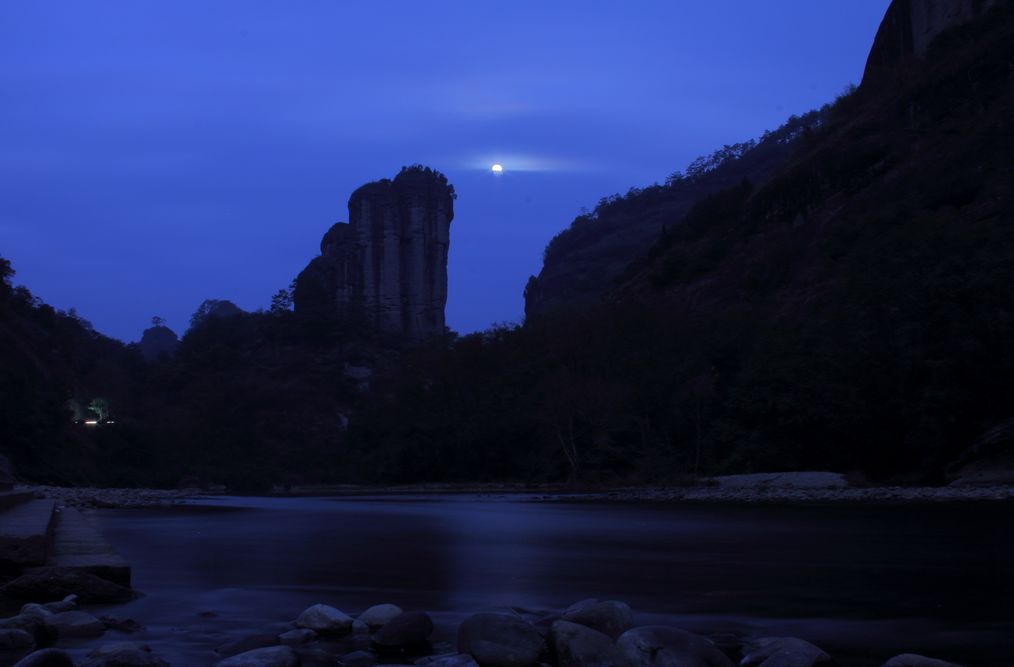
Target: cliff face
<point>387,267</point>
<point>909,26</point>
<point>585,261</point>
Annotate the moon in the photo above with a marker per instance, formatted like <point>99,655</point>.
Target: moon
<point>497,168</point>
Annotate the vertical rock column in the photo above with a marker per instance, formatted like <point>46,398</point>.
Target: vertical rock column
<point>426,211</point>
<point>388,266</point>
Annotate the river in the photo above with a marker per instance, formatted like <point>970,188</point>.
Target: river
<point>862,581</point>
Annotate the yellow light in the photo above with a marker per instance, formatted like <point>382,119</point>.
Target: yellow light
<point>497,168</point>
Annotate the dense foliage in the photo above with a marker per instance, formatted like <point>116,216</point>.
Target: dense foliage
<point>248,399</point>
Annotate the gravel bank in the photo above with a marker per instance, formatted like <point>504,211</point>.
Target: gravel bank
<point>147,498</point>
<point>113,498</point>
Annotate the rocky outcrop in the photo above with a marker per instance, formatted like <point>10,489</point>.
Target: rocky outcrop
<point>157,341</point>
<point>386,268</point>
<point>909,26</point>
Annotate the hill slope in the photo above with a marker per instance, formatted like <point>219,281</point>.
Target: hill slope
<point>850,311</point>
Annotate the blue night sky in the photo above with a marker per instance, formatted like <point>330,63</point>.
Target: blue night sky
<point>155,154</point>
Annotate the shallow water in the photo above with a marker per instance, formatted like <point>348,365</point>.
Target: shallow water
<point>863,582</point>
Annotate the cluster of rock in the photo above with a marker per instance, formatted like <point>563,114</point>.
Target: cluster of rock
<point>85,497</point>
<point>386,268</point>
<point>42,625</point>
<point>590,633</point>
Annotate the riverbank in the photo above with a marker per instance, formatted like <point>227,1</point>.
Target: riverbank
<point>710,492</point>
<point>93,497</point>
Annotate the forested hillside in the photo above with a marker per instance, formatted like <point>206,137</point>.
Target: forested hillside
<point>851,311</point>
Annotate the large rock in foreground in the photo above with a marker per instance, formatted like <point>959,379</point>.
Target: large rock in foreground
<point>611,617</point>
<point>376,616</point>
<point>500,640</point>
<point>47,657</point>
<point>405,631</point>
<point>75,624</point>
<point>274,656</point>
<point>660,646</point>
<point>782,652</point>
<point>914,660</point>
<point>33,625</point>
<point>576,645</point>
<point>124,654</point>
<point>16,639</point>
<point>448,660</point>
<point>325,620</point>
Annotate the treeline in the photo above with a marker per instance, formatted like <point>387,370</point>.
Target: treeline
<point>249,400</point>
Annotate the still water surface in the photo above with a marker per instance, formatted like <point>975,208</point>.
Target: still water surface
<point>864,582</point>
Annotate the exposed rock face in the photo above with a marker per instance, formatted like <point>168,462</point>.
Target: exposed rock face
<point>910,25</point>
<point>387,267</point>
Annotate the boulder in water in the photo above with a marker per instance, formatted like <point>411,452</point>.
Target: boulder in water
<point>245,644</point>
<point>358,659</point>
<point>16,639</point>
<point>33,625</point>
<point>576,645</point>
<point>500,640</point>
<point>124,654</point>
<point>405,631</point>
<point>782,652</point>
<point>272,656</point>
<point>75,624</point>
<point>660,646</point>
<point>915,660</point>
<point>611,617</point>
<point>297,637</point>
<point>379,614</point>
<point>47,657</point>
<point>325,620</point>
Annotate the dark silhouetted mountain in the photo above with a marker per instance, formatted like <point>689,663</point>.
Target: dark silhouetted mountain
<point>50,361</point>
<point>583,262</point>
<point>158,342</point>
<point>851,309</point>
